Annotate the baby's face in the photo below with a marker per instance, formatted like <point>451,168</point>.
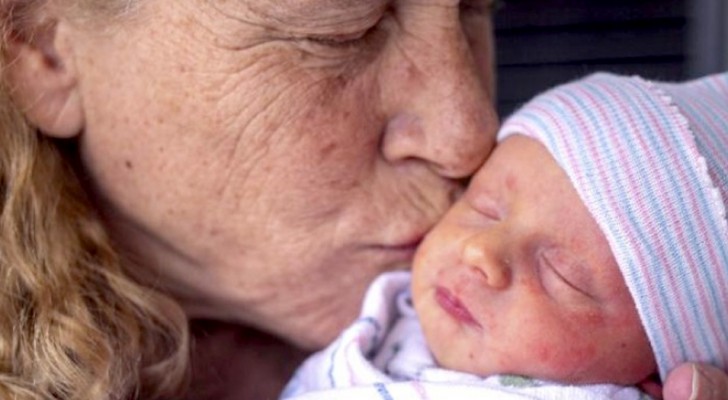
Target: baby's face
<point>518,278</point>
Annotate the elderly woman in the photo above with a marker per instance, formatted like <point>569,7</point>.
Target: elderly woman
<point>251,162</point>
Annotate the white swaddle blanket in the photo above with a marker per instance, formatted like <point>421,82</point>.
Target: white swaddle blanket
<point>383,355</point>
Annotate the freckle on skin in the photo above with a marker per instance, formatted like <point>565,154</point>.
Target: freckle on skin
<point>543,354</point>
<point>593,318</point>
<point>128,164</point>
<point>532,287</point>
<point>327,150</point>
<point>511,182</point>
<point>411,71</point>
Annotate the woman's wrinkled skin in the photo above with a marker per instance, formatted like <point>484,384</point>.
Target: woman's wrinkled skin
<point>273,157</point>
<point>263,161</point>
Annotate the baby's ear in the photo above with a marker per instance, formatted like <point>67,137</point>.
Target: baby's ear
<point>42,78</point>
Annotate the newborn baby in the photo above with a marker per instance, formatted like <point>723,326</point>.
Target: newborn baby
<point>570,267</point>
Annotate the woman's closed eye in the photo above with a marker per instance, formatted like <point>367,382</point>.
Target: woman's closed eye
<point>342,41</point>
<point>352,39</point>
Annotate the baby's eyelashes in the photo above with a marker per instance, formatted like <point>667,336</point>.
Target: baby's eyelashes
<point>563,274</point>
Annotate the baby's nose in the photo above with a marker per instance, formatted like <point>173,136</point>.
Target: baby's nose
<point>483,254</point>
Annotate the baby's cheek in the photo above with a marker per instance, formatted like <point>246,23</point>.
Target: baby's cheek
<point>568,351</point>
<point>563,360</point>
<point>591,321</point>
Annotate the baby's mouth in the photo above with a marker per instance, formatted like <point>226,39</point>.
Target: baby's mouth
<point>453,306</point>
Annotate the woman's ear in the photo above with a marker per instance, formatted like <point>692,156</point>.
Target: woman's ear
<point>43,79</point>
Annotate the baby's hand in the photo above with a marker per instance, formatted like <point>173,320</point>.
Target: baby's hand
<point>696,382</point>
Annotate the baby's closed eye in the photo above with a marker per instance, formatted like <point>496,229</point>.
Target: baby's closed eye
<point>564,276</point>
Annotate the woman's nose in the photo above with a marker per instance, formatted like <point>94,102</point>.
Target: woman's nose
<point>484,252</point>
<point>437,102</point>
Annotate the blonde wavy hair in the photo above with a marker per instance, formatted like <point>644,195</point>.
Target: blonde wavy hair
<point>73,324</point>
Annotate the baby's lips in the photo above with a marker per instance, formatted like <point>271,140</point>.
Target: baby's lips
<point>452,305</point>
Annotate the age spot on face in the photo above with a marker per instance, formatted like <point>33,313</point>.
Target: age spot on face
<point>327,150</point>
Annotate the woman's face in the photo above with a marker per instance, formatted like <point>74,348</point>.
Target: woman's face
<point>266,159</point>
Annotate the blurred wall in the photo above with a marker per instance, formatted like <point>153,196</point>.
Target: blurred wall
<point>544,42</point>
<point>708,36</point>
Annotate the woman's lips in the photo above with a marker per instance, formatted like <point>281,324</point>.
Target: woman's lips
<point>408,246</point>
<point>453,306</point>
<point>405,246</point>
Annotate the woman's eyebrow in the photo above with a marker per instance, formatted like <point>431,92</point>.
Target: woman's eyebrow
<point>316,9</point>
<point>303,17</point>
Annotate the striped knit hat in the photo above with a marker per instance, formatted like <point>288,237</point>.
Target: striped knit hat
<point>650,161</point>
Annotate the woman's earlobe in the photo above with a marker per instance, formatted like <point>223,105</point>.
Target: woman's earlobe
<point>43,81</point>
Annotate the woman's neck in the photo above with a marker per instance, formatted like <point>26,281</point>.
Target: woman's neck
<point>235,362</point>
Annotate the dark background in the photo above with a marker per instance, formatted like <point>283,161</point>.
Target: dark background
<point>544,42</point>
